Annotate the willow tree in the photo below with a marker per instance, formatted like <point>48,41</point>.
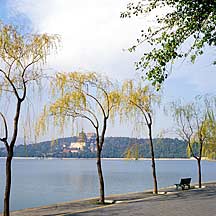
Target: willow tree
<point>21,59</point>
<point>210,150</point>
<point>139,101</point>
<point>132,152</point>
<point>180,28</point>
<point>210,146</point>
<point>192,127</point>
<point>88,96</point>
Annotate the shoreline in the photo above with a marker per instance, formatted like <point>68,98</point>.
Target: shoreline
<point>90,206</point>
<point>121,159</point>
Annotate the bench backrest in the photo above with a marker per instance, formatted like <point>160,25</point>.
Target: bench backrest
<point>185,181</point>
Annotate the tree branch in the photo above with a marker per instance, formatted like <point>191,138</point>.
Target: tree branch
<point>98,102</point>
<point>11,83</point>
<point>143,112</point>
<point>4,139</point>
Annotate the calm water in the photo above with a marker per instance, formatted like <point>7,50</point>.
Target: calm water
<point>41,182</point>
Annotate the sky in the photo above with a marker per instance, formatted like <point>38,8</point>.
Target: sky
<point>94,38</point>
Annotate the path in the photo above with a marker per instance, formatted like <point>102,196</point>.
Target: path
<point>193,202</point>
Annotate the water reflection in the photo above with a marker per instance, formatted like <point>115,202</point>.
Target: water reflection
<point>83,182</point>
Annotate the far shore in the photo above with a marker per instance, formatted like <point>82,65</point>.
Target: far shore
<point>125,159</point>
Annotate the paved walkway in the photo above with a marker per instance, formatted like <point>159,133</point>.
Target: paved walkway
<point>193,202</point>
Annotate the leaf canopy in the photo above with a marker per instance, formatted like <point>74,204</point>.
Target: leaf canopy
<point>196,125</point>
<point>139,100</point>
<point>88,96</point>
<point>21,57</point>
<point>185,30</point>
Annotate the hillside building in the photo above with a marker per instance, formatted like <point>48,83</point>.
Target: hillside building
<point>84,141</point>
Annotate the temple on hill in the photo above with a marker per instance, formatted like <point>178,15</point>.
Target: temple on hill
<point>84,141</point>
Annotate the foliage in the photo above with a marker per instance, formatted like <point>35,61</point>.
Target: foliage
<point>190,119</point>
<point>21,59</point>
<point>114,147</point>
<point>81,95</point>
<point>87,96</point>
<point>185,29</point>
<point>196,125</point>
<point>138,99</point>
<point>138,102</point>
<point>210,125</point>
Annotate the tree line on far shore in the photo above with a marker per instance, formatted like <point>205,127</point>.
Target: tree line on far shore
<point>114,147</point>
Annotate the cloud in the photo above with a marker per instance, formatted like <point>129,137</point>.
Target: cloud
<point>93,35</point>
<point>93,39</point>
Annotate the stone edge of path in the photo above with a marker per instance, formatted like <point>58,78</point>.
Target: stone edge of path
<point>89,204</point>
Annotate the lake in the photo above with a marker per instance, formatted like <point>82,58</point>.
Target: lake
<point>38,182</point>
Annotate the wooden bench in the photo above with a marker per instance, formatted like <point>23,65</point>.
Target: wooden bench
<point>185,182</point>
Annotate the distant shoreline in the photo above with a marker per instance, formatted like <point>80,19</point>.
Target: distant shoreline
<point>125,159</point>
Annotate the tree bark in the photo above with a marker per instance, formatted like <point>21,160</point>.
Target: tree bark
<point>99,167</point>
<point>8,183</point>
<point>100,175</point>
<point>100,142</point>
<point>155,190</point>
<point>9,160</point>
<point>199,172</point>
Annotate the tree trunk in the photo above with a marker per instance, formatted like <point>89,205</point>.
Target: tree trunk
<point>100,175</point>
<point>199,172</point>
<point>9,160</point>
<point>155,191</point>
<point>100,142</point>
<point>8,184</point>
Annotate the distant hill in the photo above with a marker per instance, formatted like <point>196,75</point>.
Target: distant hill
<point>114,147</point>
<point>164,147</point>
<point>19,141</point>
